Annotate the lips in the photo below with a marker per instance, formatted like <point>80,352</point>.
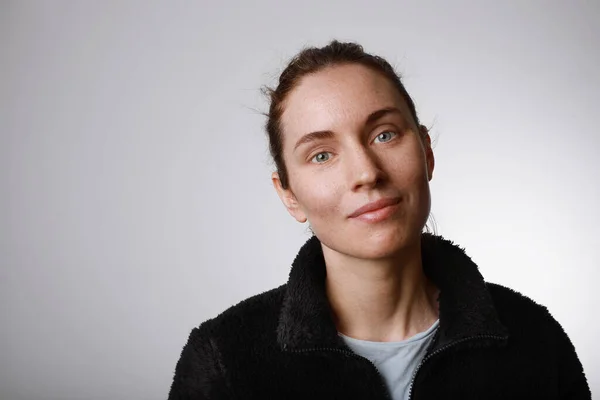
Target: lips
<point>375,205</point>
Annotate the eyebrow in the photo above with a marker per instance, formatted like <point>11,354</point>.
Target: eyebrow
<point>322,135</point>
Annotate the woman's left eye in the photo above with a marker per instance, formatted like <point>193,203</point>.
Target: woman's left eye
<point>385,136</point>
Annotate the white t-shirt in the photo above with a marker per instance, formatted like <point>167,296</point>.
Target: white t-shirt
<point>396,361</point>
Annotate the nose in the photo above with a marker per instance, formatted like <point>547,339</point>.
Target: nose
<point>364,169</point>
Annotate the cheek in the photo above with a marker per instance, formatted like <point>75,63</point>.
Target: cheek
<point>408,170</point>
<point>318,195</point>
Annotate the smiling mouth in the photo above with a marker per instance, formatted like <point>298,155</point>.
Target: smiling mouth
<point>378,215</point>
<point>377,211</point>
<point>375,205</point>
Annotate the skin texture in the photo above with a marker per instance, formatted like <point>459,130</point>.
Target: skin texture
<point>375,280</point>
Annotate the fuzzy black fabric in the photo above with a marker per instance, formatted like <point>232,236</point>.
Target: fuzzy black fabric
<point>492,343</point>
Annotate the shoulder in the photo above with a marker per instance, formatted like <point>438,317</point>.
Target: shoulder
<point>523,316</point>
<point>509,302</point>
<point>505,297</point>
<point>536,334</point>
<point>240,328</point>
<point>254,316</point>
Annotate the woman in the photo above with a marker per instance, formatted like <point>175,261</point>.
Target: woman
<point>374,308</point>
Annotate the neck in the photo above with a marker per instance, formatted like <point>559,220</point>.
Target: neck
<point>380,300</point>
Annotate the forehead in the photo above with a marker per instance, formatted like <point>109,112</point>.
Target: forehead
<point>336,98</point>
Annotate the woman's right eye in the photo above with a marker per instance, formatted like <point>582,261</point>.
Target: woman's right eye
<point>320,157</point>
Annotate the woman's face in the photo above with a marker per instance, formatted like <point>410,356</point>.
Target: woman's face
<point>349,140</point>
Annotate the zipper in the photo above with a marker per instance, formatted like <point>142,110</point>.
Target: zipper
<point>352,354</point>
<point>441,349</point>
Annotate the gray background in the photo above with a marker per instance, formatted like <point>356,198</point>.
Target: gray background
<point>136,199</point>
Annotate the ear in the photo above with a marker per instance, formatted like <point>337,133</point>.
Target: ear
<point>429,158</point>
<point>288,199</point>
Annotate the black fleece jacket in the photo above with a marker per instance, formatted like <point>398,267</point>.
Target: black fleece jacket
<point>492,343</point>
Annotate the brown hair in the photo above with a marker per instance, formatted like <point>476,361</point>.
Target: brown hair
<point>309,61</point>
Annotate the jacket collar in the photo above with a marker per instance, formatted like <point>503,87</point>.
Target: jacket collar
<point>465,304</point>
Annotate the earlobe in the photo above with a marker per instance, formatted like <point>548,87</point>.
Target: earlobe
<point>430,159</point>
<point>288,199</point>
<point>430,165</point>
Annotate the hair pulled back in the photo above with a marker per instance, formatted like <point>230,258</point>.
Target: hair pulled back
<point>309,61</point>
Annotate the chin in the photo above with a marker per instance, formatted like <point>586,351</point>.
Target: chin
<point>384,244</point>
<point>376,243</point>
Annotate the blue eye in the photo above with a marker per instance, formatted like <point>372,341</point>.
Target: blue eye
<point>385,136</point>
<point>319,157</point>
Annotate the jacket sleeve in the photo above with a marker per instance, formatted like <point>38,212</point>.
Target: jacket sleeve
<point>572,384</point>
<point>199,373</point>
